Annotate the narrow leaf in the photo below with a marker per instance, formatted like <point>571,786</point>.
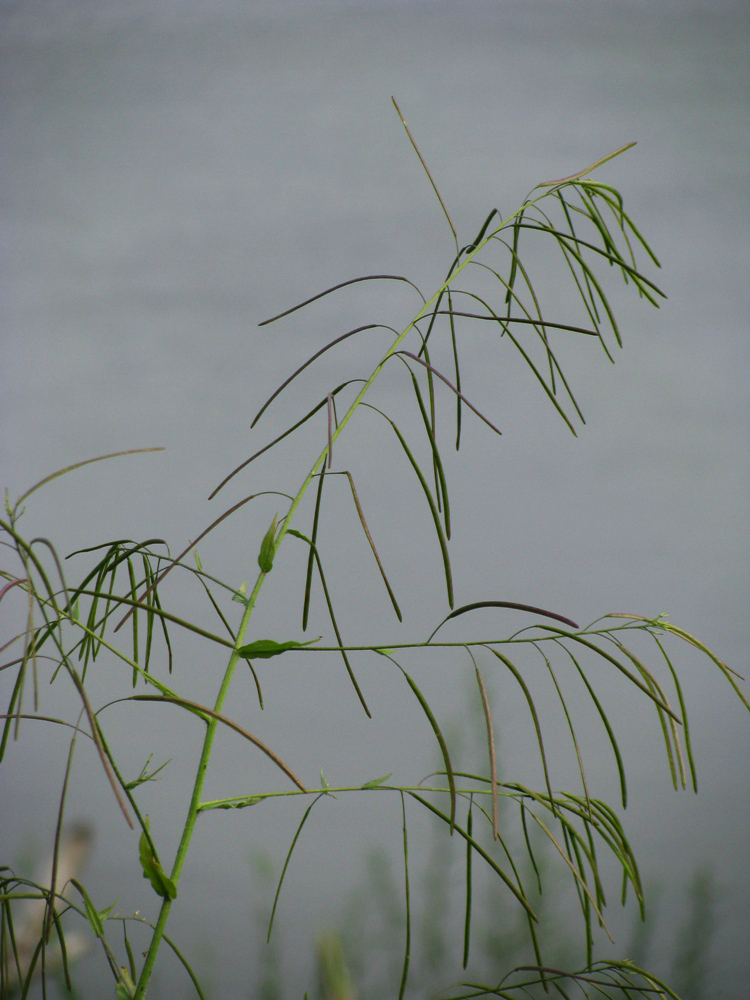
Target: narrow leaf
<point>453,389</point>
<point>441,742</point>
<point>607,725</point>
<point>441,487</point>
<point>491,747</point>
<point>202,712</point>
<point>532,708</point>
<point>329,408</point>
<point>361,515</point>
<point>467,910</point>
<point>333,343</point>
<point>407,914</point>
<point>271,444</point>
<point>335,288</point>
<point>92,915</point>
<point>286,864</point>
<point>426,170</point>
<point>78,465</point>
<point>161,883</point>
<point>587,170</point>
<point>329,605</point>
<point>517,892</point>
<point>433,509</point>
<point>374,783</point>
<point>311,556</point>
<point>125,988</point>
<point>503,604</point>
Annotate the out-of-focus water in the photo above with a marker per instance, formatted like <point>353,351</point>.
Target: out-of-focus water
<point>174,173</point>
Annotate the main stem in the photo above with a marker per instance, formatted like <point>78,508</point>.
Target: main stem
<point>195,799</point>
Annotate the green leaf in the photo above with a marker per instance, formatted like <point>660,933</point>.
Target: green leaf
<point>441,742</point>
<point>325,786</point>
<point>268,548</point>
<point>376,781</point>
<point>253,800</point>
<point>163,885</point>
<point>125,988</point>
<point>95,919</point>
<point>146,775</point>
<point>240,595</point>
<point>264,649</point>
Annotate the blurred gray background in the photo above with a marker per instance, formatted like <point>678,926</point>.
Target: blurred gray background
<point>174,173</point>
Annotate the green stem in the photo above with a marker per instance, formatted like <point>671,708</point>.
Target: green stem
<point>195,799</point>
